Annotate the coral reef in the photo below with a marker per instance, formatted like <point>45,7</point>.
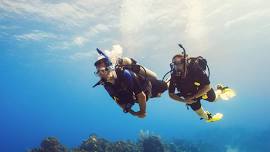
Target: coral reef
<point>150,142</point>
<point>146,143</point>
<point>96,144</point>
<point>50,144</point>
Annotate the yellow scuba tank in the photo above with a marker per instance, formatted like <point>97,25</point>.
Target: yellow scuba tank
<point>125,61</point>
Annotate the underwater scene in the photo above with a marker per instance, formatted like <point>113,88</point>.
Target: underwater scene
<point>134,76</point>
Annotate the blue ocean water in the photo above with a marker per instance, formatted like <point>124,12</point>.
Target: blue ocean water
<point>46,90</point>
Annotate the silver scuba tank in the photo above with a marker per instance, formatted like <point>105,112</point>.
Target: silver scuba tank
<point>142,70</point>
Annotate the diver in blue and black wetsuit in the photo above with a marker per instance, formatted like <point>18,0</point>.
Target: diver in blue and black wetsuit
<point>129,83</point>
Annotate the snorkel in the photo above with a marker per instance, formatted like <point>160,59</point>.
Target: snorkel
<point>106,58</point>
<point>185,58</point>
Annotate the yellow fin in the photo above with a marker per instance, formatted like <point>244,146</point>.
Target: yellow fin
<point>227,94</point>
<point>216,117</point>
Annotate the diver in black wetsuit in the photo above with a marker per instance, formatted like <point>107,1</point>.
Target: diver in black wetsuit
<point>189,83</point>
<point>129,83</point>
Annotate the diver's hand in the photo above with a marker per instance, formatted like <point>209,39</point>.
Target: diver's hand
<point>132,112</point>
<point>139,114</point>
<point>189,100</point>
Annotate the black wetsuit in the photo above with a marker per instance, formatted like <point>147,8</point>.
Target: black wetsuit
<point>128,84</point>
<point>194,81</point>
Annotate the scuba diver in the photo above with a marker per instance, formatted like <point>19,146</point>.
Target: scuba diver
<point>189,83</point>
<point>128,83</point>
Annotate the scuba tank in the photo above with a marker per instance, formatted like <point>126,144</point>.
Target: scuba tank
<point>132,65</point>
<point>200,63</point>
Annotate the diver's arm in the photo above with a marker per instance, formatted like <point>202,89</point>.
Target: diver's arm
<point>122,106</point>
<point>201,92</point>
<point>176,97</point>
<point>118,103</point>
<point>141,97</point>
<point>132,112</point>
<point>171,91</point>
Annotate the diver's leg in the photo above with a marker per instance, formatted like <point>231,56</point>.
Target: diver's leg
<point>158,87</point>
<point>205,114</point>
<point>197,107</point>
<point>221,93</point>
<point>210,96</point>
